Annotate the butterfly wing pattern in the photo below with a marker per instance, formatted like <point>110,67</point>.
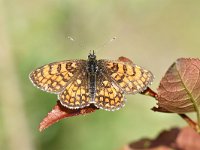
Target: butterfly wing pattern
<point>108,95</point>
<point>76,93</point>
<point>127,76</point>
<point>78,83</point>
<point>55,76</point>
<point>116,78</point>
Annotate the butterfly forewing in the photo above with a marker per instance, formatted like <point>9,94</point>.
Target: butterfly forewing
<point>108,95</point>
<point>54,77</point>
<point>129,77</point>
<point>76,93</point>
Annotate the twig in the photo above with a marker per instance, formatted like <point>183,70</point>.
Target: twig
<point>149,92</point>
<point>190,122</point>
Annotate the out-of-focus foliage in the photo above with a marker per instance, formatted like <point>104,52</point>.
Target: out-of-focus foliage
<point>177,141</point>
<point>151,33</point>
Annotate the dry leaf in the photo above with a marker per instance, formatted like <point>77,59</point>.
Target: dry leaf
<point>60,112</point>
<point>124,59</point>
<point>179,89</point>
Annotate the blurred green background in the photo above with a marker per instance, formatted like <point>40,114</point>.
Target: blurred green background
<point>32,33</point>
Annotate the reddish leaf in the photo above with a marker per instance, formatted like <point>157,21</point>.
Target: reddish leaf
<point>60,112</point>
<point>124,59</point>
<point>179,89</point>
<point>177,139</point>
<point>188,139</point>
<point>161,109</point>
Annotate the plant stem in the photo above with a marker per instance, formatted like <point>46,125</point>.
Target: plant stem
<point>149,92</point>
<point>190,122</point>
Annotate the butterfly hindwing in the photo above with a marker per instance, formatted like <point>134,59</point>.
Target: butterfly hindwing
<point>53,77</point>
<point>108,95</point>
<point>76,93</point>
<point>129,77</point>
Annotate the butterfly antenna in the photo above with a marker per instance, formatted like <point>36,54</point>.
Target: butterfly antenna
<point>92,52</point>
<point>73,40</point>
<point>70,38</point>
<point>106,43</point>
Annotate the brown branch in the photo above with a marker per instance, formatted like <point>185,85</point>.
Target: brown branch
<point>190,122</point>
<point>149,92</point>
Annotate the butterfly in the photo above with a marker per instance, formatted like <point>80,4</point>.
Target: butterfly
<point>104,83</point>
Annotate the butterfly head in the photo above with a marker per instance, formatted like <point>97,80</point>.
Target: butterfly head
<point>92,56</point>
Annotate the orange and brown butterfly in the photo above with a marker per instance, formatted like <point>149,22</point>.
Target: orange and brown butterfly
<point>104,83</point>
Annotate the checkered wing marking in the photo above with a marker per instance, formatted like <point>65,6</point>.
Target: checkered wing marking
<point>108,95</point>
<point>129,77</point>
<point>53,77</point>
<point>76,93</point>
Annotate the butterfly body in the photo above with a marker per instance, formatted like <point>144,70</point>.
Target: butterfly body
<point>92,70</point>
<point>78,83</point>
